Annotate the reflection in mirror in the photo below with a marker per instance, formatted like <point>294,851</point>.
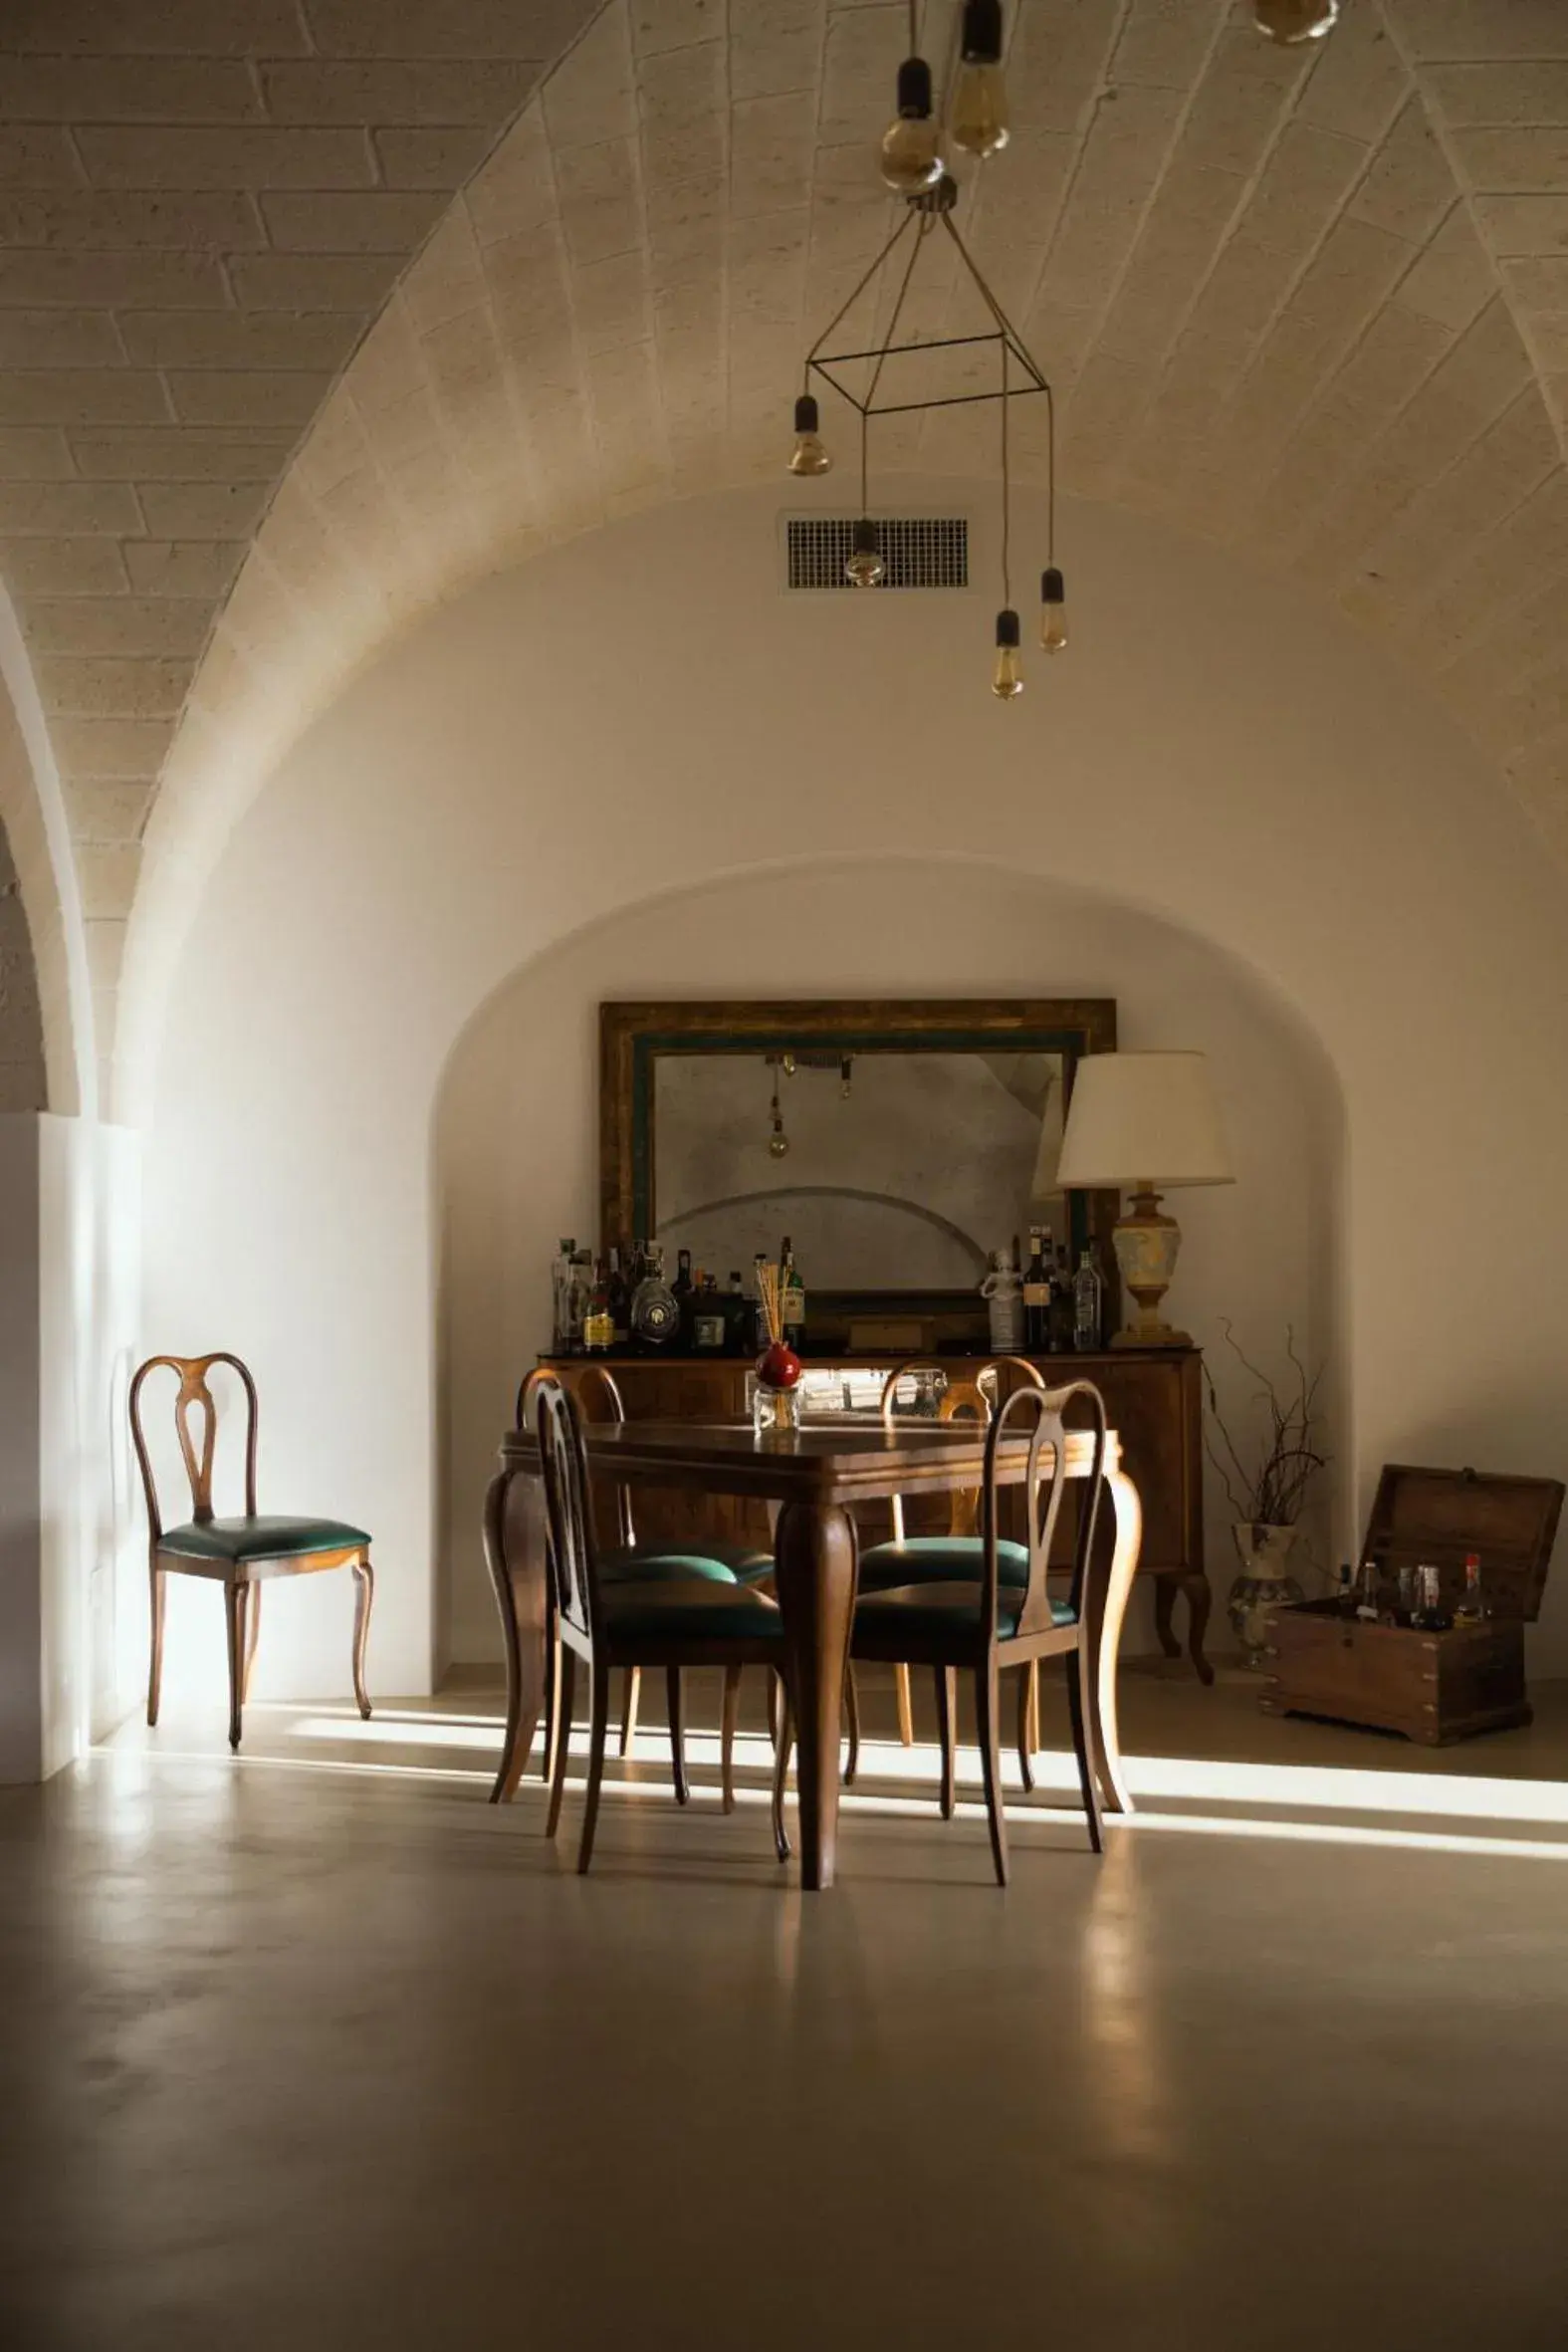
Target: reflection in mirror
<point>899,1170</point>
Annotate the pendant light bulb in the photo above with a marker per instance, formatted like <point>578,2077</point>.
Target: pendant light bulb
<point>779,1142</point>
<point>807,456</point>
<point>1292,22</point>
<point>1054,610</point>
<point>1006,678</point>
<point>911,149</point>
<point>865,566</point>
<point>979,112</point>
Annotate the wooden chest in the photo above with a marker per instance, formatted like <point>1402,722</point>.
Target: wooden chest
<point>1432,1686</point>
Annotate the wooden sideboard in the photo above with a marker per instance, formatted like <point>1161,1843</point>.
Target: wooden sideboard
<point>1154,1399</point>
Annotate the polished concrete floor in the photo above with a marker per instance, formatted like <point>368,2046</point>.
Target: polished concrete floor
<point>320,2049</point>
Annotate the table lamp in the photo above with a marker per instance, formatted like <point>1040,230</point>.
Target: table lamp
<point>1143,1122</point>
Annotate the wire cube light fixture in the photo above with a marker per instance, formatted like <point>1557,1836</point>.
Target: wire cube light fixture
<point>912,165</point>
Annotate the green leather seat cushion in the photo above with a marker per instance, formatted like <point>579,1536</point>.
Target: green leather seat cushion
<point>698,1609</point>
<point>261,1538</point>
<point>940,1559</point>
<point>717,1563</point>
<point>932,1610</point>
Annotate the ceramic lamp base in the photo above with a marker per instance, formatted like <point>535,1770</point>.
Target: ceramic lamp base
<point>1146,1244</point>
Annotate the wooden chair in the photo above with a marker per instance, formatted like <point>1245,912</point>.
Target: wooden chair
<point>992,1625</point>
<point>240,1553</point>
<point>652,1621</point>
<point>627,1560</point>
<point>909,1560</point>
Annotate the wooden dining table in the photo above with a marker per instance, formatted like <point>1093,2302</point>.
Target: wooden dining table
<point>816,1476</point>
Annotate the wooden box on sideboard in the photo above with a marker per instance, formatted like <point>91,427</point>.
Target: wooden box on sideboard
<point>1433,1687</point>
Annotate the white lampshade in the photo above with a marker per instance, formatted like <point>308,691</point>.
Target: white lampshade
<point>1143,1119</point>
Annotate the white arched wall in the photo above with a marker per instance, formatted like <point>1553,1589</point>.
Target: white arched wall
<point>509,1182</point>
<point>642,711</point>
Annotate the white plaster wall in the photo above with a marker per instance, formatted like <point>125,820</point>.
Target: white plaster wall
<point>68,1203</point>
<point>509,1181</point>
<point>641,711</point>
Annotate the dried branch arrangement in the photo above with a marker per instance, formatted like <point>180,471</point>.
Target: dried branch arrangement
<point>1271,1494</point>
<point>771,1289</point>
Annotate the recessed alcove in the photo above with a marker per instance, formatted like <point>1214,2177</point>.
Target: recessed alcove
<point>510,1181</point>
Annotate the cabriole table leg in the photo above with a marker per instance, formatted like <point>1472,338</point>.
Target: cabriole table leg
<point>514,1528</point>
<point>1104,1732</point>
<point>815,1553</point>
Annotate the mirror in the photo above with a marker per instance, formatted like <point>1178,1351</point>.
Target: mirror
<point>897,1143</point>
<point>855,1158</point>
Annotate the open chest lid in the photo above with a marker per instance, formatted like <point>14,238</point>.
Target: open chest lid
<point>1439,1517</point>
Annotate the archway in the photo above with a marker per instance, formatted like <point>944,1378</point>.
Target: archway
<point>625,718</point>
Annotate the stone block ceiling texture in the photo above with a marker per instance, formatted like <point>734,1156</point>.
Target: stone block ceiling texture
<point>1311,302</point>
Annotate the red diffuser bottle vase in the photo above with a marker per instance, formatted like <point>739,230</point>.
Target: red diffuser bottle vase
<point>776,1393</point>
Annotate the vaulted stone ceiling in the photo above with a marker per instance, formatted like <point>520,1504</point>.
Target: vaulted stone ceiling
<point>1311,303</point>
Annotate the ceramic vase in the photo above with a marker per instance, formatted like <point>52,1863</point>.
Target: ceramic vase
<point>1265,1584</point>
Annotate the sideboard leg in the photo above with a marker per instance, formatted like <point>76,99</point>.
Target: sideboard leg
<point>1165,1616</point>
<point>1200,1601</point>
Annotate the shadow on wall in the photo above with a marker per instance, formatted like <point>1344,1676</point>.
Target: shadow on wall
<point>515,1124</point>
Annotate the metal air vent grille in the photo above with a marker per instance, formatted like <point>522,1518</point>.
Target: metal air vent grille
<point>920,550</point>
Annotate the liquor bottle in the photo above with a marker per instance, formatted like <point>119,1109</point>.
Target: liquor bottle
<point>1472,1608</point>
<point>791,1296</point>
<point>560,1294</point>
<point>1002,1293</point>
<point>598,1324</point>
<point>1062,1314</point>
<point>682,1293</point>
<point>1369,1593</point>
<point>655,1317</point>
<point>1345,1590</point>
<point>1036,1296</point>
<point>1427,1615</point>
<point>739,1321</point>
<point>619,1302</point>
<point>1088,1306</point>
<point>760,1332</point>
<point>707,1319</point>
<point>578,1298</point>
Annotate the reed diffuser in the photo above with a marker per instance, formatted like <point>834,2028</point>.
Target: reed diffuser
<point>775,1397</point>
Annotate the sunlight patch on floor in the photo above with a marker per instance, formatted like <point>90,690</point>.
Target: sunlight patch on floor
<point>1308,1788</point>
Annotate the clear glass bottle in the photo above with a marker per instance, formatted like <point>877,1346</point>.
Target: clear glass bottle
<point>1427,1615</point>
<point>1472,1608</point>
<point>1369,1593</point>
<point>1088,1306</point>
<point>1002,1293</point>
<point>598,1324</point>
